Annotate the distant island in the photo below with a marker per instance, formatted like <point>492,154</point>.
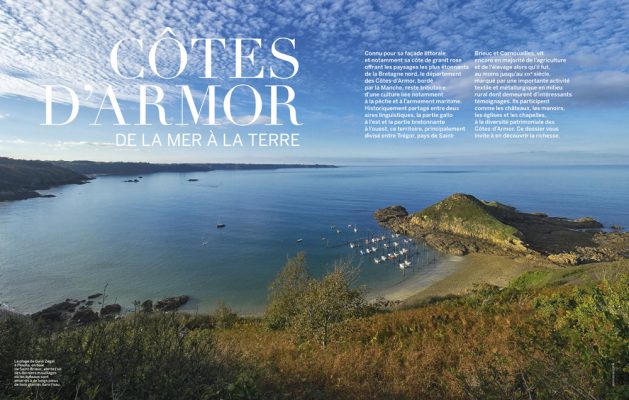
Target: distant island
<point>462,224</point>
<point>21,179</point>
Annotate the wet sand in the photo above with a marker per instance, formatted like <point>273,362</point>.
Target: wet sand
<point>456,275</point>
<point>416,282</point>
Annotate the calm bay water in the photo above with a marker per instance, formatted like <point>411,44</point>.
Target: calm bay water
<point>158,237</point>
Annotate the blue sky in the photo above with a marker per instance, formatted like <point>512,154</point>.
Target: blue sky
<point>68,43</point>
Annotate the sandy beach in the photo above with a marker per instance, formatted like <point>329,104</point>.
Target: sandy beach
<point>455,275</point>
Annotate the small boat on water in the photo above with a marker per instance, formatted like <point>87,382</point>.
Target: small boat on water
<point>300,240</point>
<point>219,224</point>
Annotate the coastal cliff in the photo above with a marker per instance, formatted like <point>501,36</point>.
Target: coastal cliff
<point>20,179</point>
<point>462,224</point>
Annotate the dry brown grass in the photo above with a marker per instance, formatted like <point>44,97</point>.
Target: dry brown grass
<point>486,345</point>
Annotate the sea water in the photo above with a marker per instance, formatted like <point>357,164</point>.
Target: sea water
<point>158,237</point>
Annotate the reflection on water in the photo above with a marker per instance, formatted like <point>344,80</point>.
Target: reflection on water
<point>159,237</point>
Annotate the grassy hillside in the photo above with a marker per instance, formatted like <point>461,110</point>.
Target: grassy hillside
<point>20,178</point>
<point>560,334</point>
<point>462,224</point>
<point>463,214</point>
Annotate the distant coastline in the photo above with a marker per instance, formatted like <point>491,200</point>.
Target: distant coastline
<point>93,168</point>
<point>21,179</point>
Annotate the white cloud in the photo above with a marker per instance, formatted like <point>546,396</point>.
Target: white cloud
<point>56,144</point>
<point>245,119</point>
<point>13,141</point>
<point>604,88</point>
<point>68,42</point>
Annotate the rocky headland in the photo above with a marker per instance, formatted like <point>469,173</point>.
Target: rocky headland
<point>21,179</point>
<point>462,224</point>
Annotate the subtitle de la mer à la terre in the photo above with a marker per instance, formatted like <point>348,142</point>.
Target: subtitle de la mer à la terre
<point>208,140</point>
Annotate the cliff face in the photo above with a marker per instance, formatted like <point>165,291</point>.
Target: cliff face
<point>19,179</point>
<point>462,224</point>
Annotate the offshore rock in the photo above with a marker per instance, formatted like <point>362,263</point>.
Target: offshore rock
<point>171,303</point>
<point>110,310</point>
<point>389,213</point>
<point>85,316</point>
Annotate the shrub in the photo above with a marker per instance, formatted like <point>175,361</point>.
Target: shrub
<point>137,357</point>
<point>312,307</point>
<point>286,288</point>
<point>224,317</point>
<point>327,302</point>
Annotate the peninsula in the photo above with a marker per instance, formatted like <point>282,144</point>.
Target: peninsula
<point>462,224</point>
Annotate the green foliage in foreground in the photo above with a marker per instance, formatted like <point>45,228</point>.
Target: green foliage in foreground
<point>288,286</point>
<point>537,339</point>
<point>312,307</point>
<point>595,324</point>
<point>139,357</point>
<point>575,339</point>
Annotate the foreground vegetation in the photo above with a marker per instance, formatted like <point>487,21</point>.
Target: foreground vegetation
<point>552,334</point>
